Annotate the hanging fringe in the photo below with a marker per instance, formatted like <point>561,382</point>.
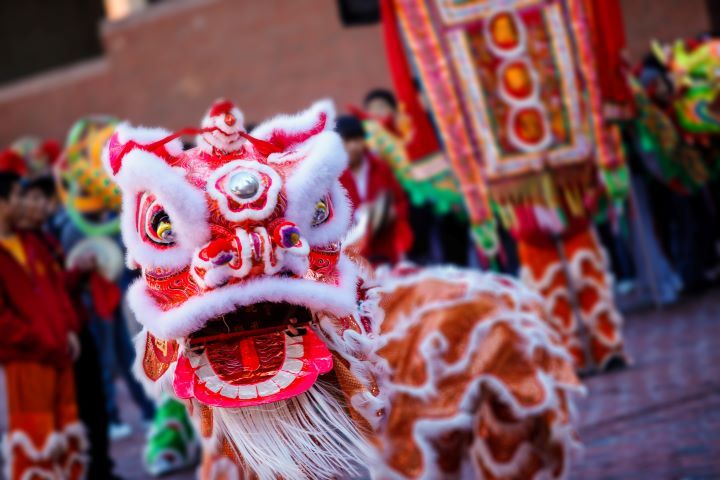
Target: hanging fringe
<point>306,437</point>
<point>543,201</point>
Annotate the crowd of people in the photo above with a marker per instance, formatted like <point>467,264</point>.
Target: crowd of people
<point>65,336</point>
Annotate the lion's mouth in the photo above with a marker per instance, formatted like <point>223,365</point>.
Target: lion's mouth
<point>257,354</point>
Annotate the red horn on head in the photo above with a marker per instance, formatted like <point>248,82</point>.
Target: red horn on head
<point>221,107</point>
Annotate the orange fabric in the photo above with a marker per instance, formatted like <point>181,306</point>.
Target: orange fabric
<point>591,285</point>
<point>40,407</point>
<point>485,326</point>
<point>498,353</point>
<point>15,248</point>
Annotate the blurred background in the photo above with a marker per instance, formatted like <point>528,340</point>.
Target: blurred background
<point>161,62</point>
<point>71,70</point>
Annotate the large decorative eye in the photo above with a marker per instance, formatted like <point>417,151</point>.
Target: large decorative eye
<point>323,211</point>
<point>160,229</point>
<point>154,223</point>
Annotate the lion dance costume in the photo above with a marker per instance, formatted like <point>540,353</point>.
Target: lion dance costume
<point>294,358</point>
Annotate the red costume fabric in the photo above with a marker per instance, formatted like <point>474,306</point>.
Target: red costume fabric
<point>573,277</point>
<point>423,141</point>
<point>36,315</point>
<point>607,33</point>
<point>44,438</point>
<point>393,241</point>
<point>11,161</point>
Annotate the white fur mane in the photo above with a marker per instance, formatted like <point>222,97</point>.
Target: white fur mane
<point>305,437</point>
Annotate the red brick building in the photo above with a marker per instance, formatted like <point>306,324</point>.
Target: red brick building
<point>166,63</point>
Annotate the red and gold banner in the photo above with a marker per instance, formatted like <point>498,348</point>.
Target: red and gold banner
<point>513,91</point>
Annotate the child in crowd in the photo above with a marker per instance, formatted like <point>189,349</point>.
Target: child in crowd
<point>39,202</point>
<point>38,413</point>
<point>438,238</point>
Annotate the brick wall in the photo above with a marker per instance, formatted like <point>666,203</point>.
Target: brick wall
<point>165,65</point>
<point>663,20</point>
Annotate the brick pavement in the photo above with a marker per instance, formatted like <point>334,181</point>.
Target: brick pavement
<point>658,420</point>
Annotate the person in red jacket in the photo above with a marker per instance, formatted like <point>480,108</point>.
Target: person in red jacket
<point>38,412</point>
<point>374,190</point>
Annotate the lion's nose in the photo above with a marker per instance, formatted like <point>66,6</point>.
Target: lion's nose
<point>220,251</point>
<point>258,251</point>
<point>219,260</point>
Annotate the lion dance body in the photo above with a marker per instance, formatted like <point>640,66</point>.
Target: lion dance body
<point>293,357</point>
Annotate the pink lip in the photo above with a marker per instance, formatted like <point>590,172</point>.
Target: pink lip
<point>316,360</point>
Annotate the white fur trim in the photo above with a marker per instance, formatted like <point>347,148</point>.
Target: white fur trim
<point>359,349</point>
<point>76,430</point>
<point>140,172</point>
<point>145,136</point>
<point>317,175</point>
<point>54,443</point>
<point>605,304</point>
<point>145,172</point>
<point>534,334</point>
<point>193,314</point>
<point>301,122</point>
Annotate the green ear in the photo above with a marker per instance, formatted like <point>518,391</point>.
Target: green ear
<point>680,55</point>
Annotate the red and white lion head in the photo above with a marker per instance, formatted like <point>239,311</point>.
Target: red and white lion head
<point>238,240</point>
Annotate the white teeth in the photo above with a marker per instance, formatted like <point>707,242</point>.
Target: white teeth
<point>214,384</point>
<point>196,360</point>
<point>267,388</point>
<point>229,391</point>
<point>294,351</point>
<point>292,365</point>
<point>283,379</point>
<point>247,391</point>
<point>205,372</point>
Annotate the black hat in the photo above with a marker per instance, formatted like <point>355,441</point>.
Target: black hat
<point>381,94</point>
<point>349,127</point>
